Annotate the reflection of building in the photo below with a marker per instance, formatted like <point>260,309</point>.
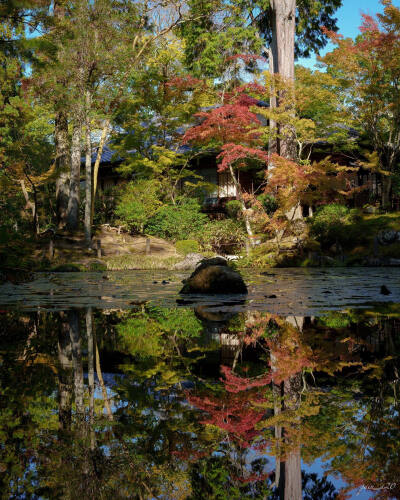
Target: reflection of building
<point>229,346</point>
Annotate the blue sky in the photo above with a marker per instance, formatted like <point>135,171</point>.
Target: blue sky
<point>349,20</point>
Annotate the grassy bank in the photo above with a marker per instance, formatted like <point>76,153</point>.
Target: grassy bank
<point>352,242</point>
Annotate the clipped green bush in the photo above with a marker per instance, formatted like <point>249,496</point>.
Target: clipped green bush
<point>233,209</point>
<point>331,224</point>
<point>268,202</point>
<point>137,203</point>
<point>187,246</point>
<point>222,236</point>
<point>177,222</point>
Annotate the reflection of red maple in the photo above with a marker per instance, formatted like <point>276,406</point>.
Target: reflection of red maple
<point>235,411</point>
<point>236,384</point>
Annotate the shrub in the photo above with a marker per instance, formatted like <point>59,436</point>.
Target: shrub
<point>330,224</point>
<point>97,266</point>
<point>233,209</point>
<point>137,203</point>
<point>268,202</point>
<point>222,236</point>
<point>177,222</point>
<point>187,246</point>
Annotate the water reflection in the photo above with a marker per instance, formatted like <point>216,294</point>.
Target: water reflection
<point>177,403</point>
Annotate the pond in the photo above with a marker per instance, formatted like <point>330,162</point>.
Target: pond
<point>114,386</point>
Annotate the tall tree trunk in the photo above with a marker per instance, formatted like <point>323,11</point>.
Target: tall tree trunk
<point>62,167</point>
<point>103,138</point>
<point>73,319</point>
<point>277,396</point>
<point>290,487</point>
<point>283,32</point>
<point>88,169</point>
<point>89,332</point>
<point>74,187</point>
<point>272,143</point>
<point>31,205</point>
<point>282,47</point>
<point>65,375</point>
<point>61,139</point>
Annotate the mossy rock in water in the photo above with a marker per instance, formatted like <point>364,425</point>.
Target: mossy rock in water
<point>66,268</point>
<point>214,276</point>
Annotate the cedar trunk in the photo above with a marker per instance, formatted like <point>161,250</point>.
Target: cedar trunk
<point>76,351</point>
<point>283,13</point>
<point>88,171</point>
<point>65,375</point>
<point>290,487</point>
<point>89,332</point>
<point>73,202</point>
<point>88,187</point>
<point>62,167</point>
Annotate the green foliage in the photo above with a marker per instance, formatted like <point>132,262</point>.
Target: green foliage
<point>220,30</point>
<point>146,334</point>
<point>233,209</point>
<point>140,336</point>
<point>151,118</point>
<point>211,40</point>
<point>222,236</point>
<point>137,203</point>
<point>187,246</point>
<point>218,477</point>
<point>335,320</point>
<point>268,202</point>
<point>177,222</point>
<point>329,224</point>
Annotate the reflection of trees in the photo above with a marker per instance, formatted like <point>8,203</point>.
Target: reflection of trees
<point>65,373</point>
<point>26,408</point>
<point>349,358</point>
<point>319,388</point>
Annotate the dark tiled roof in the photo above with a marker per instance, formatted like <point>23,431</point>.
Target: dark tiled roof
<point>108,156</point>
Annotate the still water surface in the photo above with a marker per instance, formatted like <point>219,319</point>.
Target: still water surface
<point>110,388</point>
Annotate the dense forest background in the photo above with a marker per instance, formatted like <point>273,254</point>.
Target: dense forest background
<point>163,85</point>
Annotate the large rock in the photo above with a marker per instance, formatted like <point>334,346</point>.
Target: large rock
<point>387,237</point>
<point>214,276</point>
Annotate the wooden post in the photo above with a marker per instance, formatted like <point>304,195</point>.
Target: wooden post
<point>99,249</point>
<point>147,246</point>
<point>51,249</point>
